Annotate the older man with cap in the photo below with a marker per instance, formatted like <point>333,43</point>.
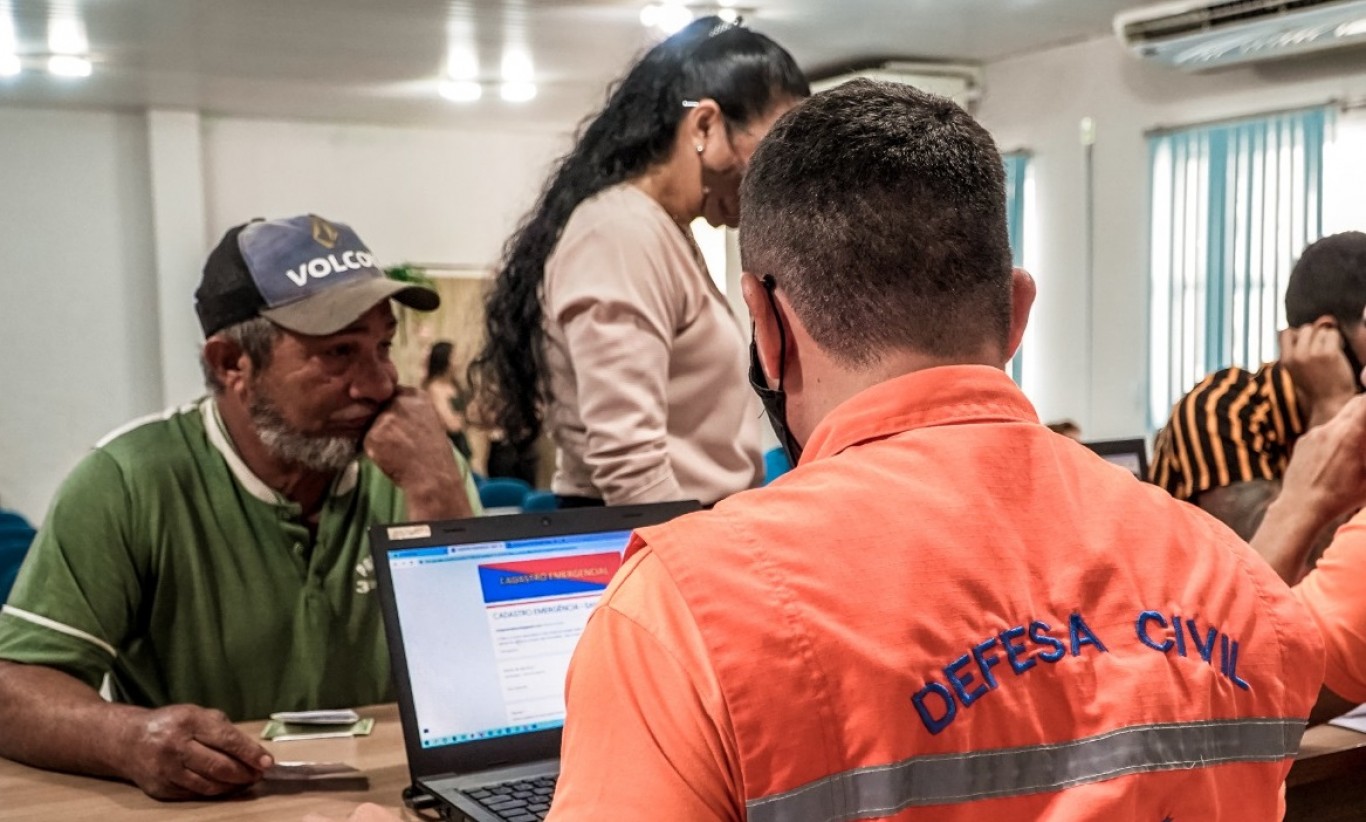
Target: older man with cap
<point>213,560</point>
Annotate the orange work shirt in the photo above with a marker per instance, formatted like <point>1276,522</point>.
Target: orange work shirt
<point>1334,596</point>
<point>944,612</point>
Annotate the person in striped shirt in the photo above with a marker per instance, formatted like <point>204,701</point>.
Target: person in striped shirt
<point>1230,439</point>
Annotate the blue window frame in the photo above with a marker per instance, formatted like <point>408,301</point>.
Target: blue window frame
<point>1017,170</point>
<point>1233,204</point>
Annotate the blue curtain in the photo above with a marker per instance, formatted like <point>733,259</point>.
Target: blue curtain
<point>1017,167</point>
<point>1233,204</point>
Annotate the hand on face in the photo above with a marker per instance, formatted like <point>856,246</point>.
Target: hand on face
<point>406,438</point>
<point>188,752</point>
<point>1313,354</point>
<point>1327,472</point>
<point>408,443</point>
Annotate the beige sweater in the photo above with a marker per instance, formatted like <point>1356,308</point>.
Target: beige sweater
<point>647,363</point>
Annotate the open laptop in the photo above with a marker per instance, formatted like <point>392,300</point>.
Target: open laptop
<point>1129,453</point>
<point>482,616</point>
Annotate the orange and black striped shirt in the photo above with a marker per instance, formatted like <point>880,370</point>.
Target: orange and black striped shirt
<point>1235,426</point>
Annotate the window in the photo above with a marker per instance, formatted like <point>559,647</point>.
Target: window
<point>712,242</point>
<point>1017,171</point>
<point>1233,204</point>
<point>1344,172</point>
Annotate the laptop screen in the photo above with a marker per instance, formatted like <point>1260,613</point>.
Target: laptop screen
<point>1131,454</point>
<point>489,629</point>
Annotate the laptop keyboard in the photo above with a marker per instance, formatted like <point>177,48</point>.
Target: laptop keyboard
<point>525,801</point>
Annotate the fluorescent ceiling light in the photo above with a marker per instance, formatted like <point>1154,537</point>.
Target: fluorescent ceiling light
<point>517,67</point>
<point>9,44</point>
<point>10,65</point>
<point>461,64</point>
<point>461,91</point>
<point>669,16</point>
<point>66,35</point>
<point>65,65</point>
<point>673,17</point>
<point>517,92</point>
<point>1356,28</point>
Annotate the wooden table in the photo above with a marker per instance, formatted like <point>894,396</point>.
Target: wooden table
<point>32,794</point>
<point>1327,783</point>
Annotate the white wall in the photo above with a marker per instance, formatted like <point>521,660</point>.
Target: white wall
<point>419,195</point>
<point>78,320</point>
<point>92,250</point>
<point>1087,357</point>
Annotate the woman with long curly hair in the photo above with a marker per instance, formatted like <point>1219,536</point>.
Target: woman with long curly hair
<point>603,323</point>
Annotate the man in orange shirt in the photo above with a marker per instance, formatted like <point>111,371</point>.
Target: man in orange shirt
<point>1323,482</point>
<point>945,610</point>
<point>1333,594</point>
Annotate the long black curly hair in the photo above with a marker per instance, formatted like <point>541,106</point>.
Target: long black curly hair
<point>745,72</point>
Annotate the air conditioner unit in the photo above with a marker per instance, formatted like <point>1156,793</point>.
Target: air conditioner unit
<point>959,82</point>
<point>1204,34</point>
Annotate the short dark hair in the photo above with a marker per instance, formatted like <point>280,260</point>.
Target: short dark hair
<point>256,337</point>
<point>1329,279</point>
<point>880,211</point>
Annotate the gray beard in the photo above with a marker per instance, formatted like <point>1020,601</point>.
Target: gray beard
<point>322,454</point>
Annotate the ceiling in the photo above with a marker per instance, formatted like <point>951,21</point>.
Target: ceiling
<point>380,60</point>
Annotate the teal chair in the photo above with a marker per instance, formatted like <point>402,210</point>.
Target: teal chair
<point>503,493</point>
<point>775,464</point>
<point>16,535</point>
<point>540,501</point>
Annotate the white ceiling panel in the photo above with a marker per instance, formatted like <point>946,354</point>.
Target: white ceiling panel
<point>380,60</point>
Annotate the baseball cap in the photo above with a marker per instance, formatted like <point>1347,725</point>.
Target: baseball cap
<point>306,274</point>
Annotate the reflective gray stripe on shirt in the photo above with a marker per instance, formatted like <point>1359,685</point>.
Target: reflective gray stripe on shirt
<point>942,779</point>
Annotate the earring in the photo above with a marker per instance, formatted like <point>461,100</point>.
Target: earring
<point>699,148</point>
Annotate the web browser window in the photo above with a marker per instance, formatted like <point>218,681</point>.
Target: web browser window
<point>489,629</point>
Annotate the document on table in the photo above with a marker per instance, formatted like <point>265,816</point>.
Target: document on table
<point>1354,720</point>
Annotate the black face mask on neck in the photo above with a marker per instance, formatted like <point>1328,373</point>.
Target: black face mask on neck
<point>774,399</point>
<point>1355,364</point>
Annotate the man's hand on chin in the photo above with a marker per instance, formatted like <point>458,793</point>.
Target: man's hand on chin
<point>408,443</point>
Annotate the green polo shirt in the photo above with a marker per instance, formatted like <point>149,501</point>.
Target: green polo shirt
<point>167,564</point>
